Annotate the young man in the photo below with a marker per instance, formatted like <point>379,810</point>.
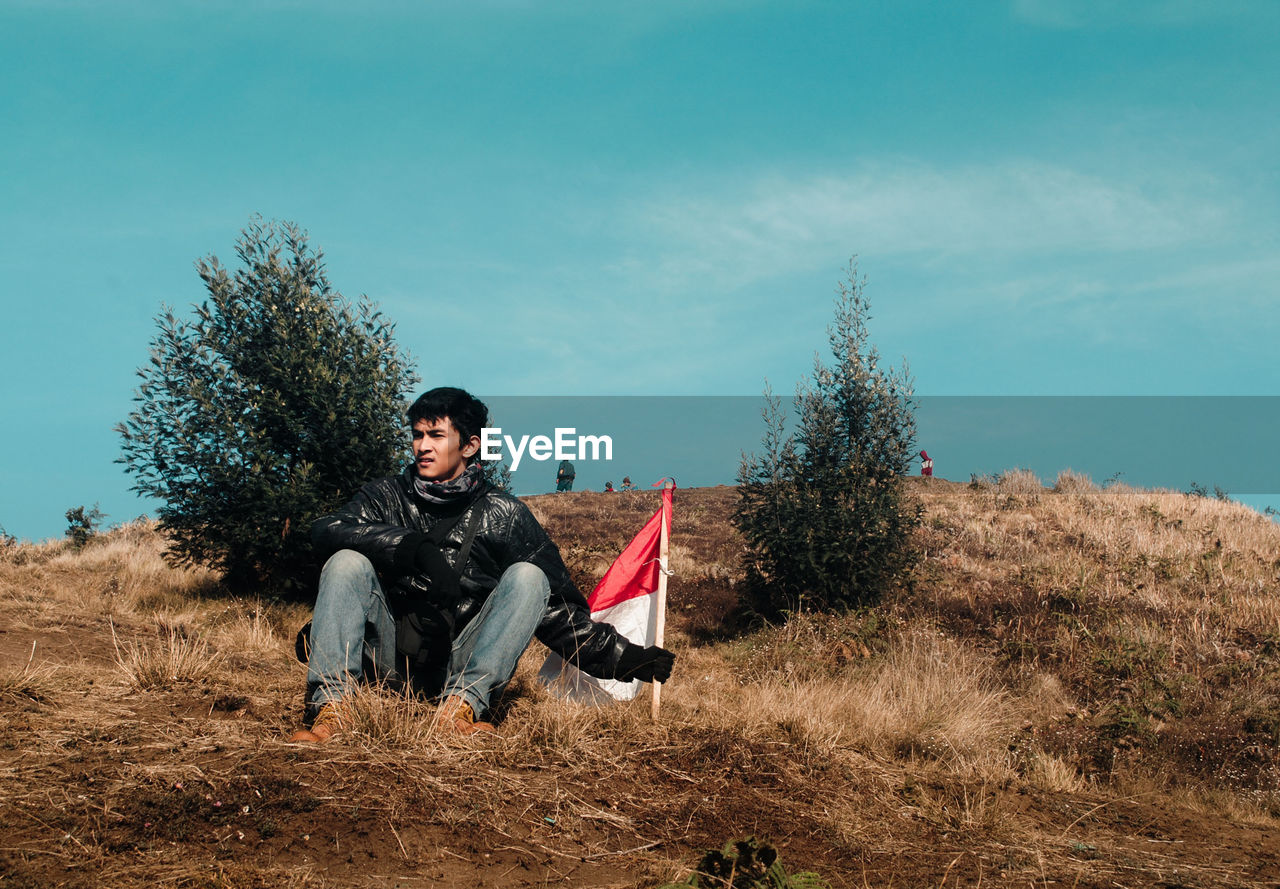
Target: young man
<point>437,579</point>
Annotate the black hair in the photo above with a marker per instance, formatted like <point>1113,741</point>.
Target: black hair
<point>467,413</point>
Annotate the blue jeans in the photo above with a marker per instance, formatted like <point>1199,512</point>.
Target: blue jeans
<point>353,634</point>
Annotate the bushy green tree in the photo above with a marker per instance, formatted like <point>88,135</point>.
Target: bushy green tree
<point>268,408</point>
<point>824,512</point>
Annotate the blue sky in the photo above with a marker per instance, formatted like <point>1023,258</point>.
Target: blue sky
<point>1049,197</point>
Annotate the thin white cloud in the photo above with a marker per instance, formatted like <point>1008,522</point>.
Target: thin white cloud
<point>780,224</point>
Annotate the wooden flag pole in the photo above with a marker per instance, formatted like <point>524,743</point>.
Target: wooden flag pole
<point>659,629</point>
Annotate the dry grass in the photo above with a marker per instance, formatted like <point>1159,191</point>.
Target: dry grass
<point>1071,482</point>
<point>1153,610</point>
<point>253,633</point>
<point>1022,482</point>
<point>174,657</point>
<point>121,573</point>
<point>1054,774</point>
<point>1067,660</point>
<point>934,698</point>
<point>29,682</point>
<point>920,697</point>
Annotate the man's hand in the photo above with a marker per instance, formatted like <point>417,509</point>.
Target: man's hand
<point>429,560</point>
<point>652,664</point>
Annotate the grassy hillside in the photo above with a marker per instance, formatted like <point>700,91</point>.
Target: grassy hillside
<point>1078,687</point>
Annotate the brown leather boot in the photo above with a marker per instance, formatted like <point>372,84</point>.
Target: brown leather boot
<point>455,716</point>
<point>329,722</point>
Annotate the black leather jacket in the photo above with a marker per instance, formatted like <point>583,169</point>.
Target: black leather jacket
<point>387,521</point>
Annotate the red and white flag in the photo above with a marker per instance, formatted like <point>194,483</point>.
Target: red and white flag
<point>626,597</point>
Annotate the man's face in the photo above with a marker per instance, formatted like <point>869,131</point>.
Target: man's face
<point>439,454</point>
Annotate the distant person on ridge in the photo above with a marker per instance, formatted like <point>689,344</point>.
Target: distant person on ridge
<point>626,483</point>
<point>564,476</point>
<point>608,487</point>
<point>439,580</point>
<point>926,465</point>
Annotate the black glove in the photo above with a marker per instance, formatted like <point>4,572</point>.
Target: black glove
<point>445,590</point>
<point>652,664</point>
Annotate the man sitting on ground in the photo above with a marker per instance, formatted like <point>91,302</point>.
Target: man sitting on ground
<point>439,580</point>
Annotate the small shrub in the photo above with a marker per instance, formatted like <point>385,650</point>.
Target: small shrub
<point>82,526</point>
<point>1199,490</point>
<point>825,516</point>
<point>747,864</point>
